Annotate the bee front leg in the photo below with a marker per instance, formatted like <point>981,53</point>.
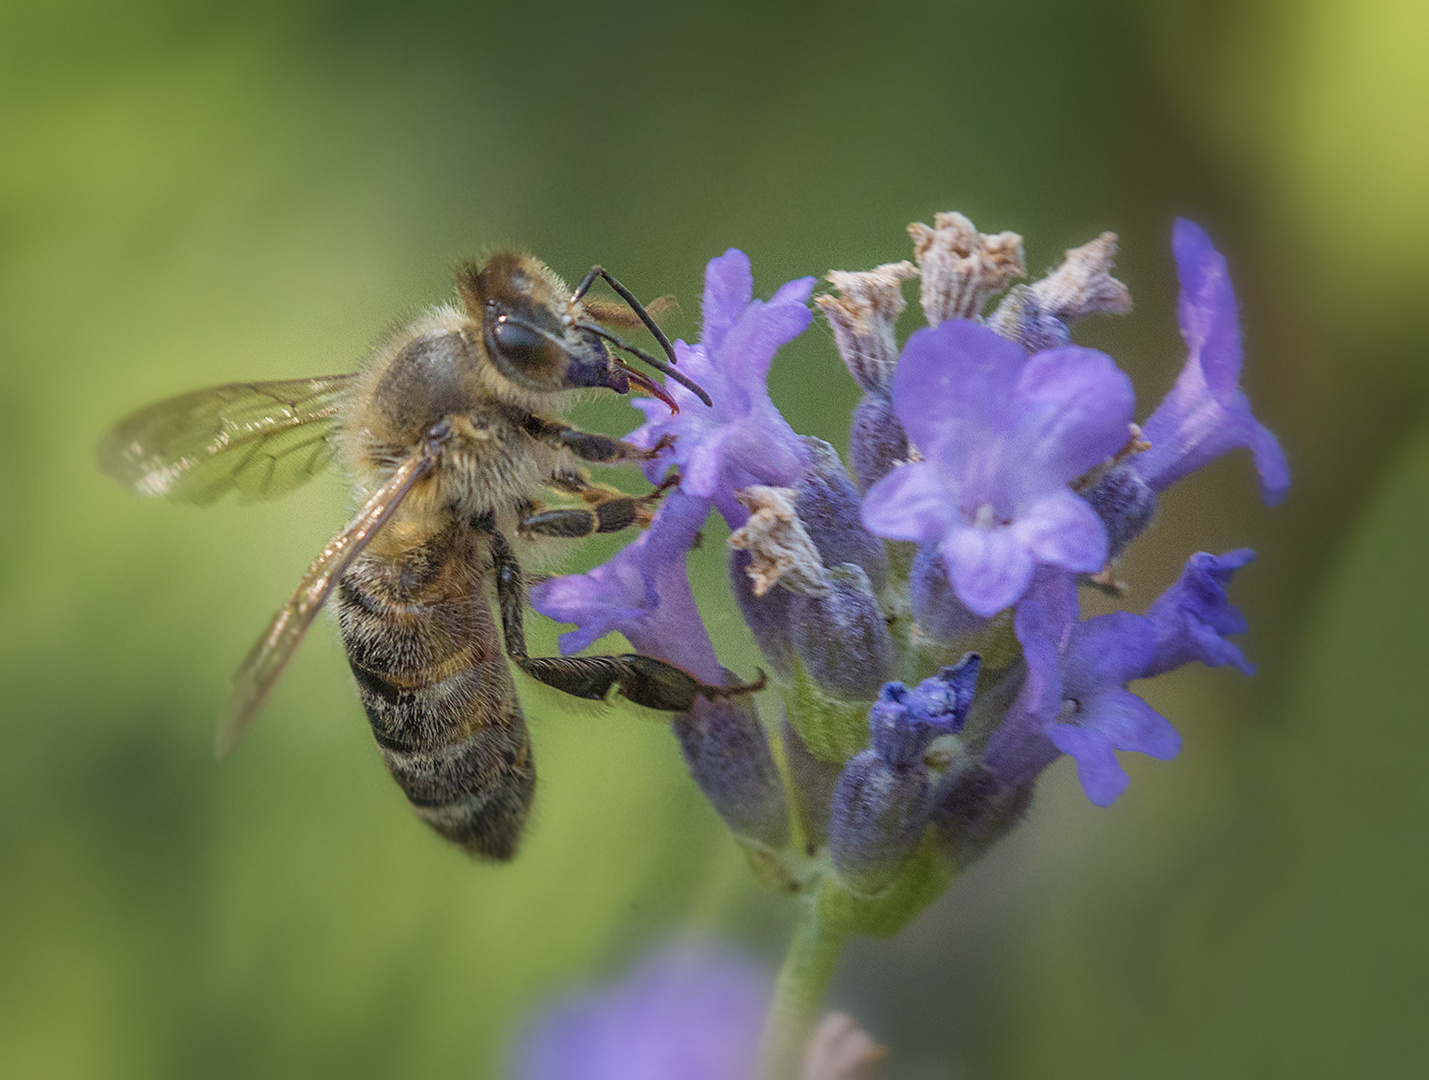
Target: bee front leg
<point>592,447</point>
<point>640,679</point>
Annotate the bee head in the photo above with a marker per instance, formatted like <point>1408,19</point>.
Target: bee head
<point>529,327</point>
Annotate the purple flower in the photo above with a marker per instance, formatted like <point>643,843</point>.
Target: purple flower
<point>743,440</point>
<point>1075,696</point>
<point>643,593</point>
<point>691,1014</point>
<point>1001,437</point>
<point>1099,714</point>
<point>1206,413</point>
<point>1193,616</point>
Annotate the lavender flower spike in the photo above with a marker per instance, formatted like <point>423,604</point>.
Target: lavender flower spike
<point>1206,413</point>
<point>1001,438</point>
<point>743,440</point>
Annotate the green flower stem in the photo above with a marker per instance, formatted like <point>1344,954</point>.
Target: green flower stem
<point>799,994</point>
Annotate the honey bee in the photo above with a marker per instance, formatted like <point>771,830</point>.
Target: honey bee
<point>450,433</point>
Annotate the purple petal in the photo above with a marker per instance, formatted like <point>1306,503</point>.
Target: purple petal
<point>1206,413</point>
<point>1116,720</point>
<point>911,503</point>
<point>1049,609</point>
<point>1076,408</point>
<point>952,376</point>
<point>1102,778</point>
<point>797,291</point>
<point>1193,616</point>
<point>1064,530</point>
<point>748,348</point>
<point>989,568</point>
<point>729,287</point>
<point>1107,652</point>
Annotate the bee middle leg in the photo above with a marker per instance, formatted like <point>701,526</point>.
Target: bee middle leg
<point>640,679</point>
<point>608,510</point>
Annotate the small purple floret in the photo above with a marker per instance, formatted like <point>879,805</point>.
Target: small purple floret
<point>743,440</point>
<point>1001,438</point>
<point>643,593</point>
<point>1206,413</point>
<point>1193,616</point>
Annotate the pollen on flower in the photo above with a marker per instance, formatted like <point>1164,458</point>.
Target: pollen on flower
<point>962,267</point>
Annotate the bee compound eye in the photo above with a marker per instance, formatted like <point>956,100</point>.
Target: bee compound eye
<point>518,343</point>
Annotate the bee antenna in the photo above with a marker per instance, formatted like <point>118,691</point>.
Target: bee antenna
<point>655,362</point>
<point>635,306</point>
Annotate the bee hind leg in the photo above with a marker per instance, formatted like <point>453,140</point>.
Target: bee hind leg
<point>643,680</point>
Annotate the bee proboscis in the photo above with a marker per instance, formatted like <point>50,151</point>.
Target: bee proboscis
<point>450,433</point>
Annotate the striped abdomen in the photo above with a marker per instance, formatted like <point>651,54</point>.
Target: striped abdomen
<point>429,666</point>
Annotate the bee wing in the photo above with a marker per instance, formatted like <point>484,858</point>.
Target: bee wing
<point>271,652</point>
<point>260,439</point>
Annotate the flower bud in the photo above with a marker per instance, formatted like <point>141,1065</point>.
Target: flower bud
<point>829,506</point>
<point>877,441</point>
<point>884,798</point>
<point>879,814</point>
<point>940,615</point>
<point>767,615</point>
<point>728,755</point>
<point>1125,503</point>
<point>842,638</point>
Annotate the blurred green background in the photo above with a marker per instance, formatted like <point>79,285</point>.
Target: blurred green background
<point>194,194</point>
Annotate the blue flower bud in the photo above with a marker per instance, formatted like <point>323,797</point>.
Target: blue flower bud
<point>842,637</point>
<point>876,440</point>
<point>728,755</point>
<point>878,816</point>
<point>884,798</point>
<point>940,615</point>
<point>903,722</point>
<point>829,506</point>
<point>767,615</point>
<point>1125,503</point>
<point>973,809</point>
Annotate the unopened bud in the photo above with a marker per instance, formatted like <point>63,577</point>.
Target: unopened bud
<point>829,507</point>
<point>842,638</point>
<point>728,755</point>
<point>877,442</point>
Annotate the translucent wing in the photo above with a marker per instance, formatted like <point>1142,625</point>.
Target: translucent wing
<point>260,439</point>
<point>271,652</point>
